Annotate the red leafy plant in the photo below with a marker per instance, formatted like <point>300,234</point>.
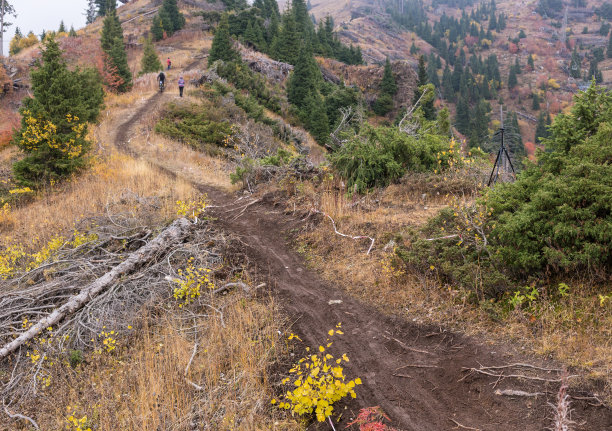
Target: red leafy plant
<point>371,419</point>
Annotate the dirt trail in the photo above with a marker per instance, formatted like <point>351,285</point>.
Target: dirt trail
<point>414,372</point>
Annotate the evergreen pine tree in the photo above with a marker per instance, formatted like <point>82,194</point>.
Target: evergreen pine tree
<point>517,66</point>
<point>303,23</point>
<point>62,27</point>
<point>72,32</point>
<point>249,34</point>
<point>111,40</point>
<point>388,84</point>
<point>512,81</point>
<point>479,124</point>
<point>317,120</point>
<point>118,58</point>
<point>111,29</point>
<point>150,60</point>
<point>304,79</point>
<point>67,99</point>
<point>575,64</point>
<point>91,12</point>
<point>492,22</point>
<point>413,49</point>
<point>456,77</point>
<point>286,46</point>
<point>427,106</point>
<point>176,20</point>
<point>530,62</point>
<point>462,118</point>
<point>594,72</point>
<point>106,6</point>
<point>447,84</point>
<point>515,140</point>
<point>535,103</point>
<point>157,28</point>
<point>271,32</point>
<point>222,48</point>
<point>541,131</point>
<point>609,52</point>
<point>444,126</point>
<point>501,22</point>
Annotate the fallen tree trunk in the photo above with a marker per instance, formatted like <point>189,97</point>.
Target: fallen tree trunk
<point>173,234</point>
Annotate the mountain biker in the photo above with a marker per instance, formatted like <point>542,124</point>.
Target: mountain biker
<point>161,78</point>
<point>181,84</point>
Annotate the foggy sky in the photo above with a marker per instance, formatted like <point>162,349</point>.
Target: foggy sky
<point>37,15</point>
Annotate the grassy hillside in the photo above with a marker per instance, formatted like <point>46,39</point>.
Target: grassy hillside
<point>338,246</point>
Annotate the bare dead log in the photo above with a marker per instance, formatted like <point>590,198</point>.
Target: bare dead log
<point>172,235</point>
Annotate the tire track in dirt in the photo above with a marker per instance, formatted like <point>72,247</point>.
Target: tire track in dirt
<point>433,392</point>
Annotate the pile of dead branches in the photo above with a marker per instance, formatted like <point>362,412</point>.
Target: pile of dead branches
<point>66,302</point>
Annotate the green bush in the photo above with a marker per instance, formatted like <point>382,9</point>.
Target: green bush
<point>244,78</point>
<point>192,125</point>
<point>555,219</point>
<point>379,155</point>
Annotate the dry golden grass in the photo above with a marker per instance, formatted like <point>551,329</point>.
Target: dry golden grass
<point>142,385</point>
<point>56,210</point>
<point>190,164</point>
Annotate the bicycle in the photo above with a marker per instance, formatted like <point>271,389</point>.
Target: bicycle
<point>161,86</point>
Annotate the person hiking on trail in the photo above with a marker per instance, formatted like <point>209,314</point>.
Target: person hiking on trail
<point>169,63</point>
<point>181,83</point>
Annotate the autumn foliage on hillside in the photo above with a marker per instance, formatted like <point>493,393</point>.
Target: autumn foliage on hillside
<point>10,121</point>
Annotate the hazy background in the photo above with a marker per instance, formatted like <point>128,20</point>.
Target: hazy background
<point>39,15</point>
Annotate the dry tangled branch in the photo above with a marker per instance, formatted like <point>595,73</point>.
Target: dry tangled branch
<point>47,312</point>
<point>344,235</point>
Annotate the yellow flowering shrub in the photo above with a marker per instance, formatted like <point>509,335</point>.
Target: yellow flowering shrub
<point>109,341</point>
<point>39,132</point>
<point>318,381</point>
<point>13,257</point>
<point>74,423</point>
<point>191,208</point>
<point>191,282</point>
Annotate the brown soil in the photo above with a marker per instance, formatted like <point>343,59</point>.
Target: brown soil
<point>416,373</point>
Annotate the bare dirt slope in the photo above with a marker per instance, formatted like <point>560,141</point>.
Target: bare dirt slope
<point>416,373</point>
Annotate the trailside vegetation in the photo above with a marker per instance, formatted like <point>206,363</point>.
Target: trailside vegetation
<point>555,219</point>
<point>378,156</point>
<point>54,121</point>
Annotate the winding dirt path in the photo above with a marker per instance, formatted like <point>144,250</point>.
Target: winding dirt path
<point>414,372</point>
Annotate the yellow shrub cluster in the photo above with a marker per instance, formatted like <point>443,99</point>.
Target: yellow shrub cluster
<point>319,382</point>
<point>191,208</point>
<point>109,342</point>
<point>14,256</point>
<point>191,283</point>
<point>19,43</point>
<point>39,132</point>
<point>74,423</point>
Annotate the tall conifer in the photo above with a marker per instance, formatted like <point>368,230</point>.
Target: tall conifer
<point>150,60</point>
<point>222,47</point>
